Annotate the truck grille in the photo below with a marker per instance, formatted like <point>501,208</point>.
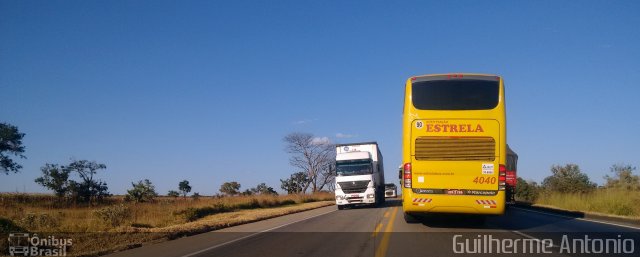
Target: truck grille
<point>352,187</point>
<point>455,148</point>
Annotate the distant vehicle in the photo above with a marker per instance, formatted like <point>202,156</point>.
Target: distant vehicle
<point>390,190</point>
<point>454,149</point>
<point>512,176</point>
<point>359,174</point>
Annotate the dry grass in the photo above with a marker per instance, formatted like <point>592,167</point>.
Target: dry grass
<point>129,237</point>
<point>606,201</point>
<point>163,219</point>
<point>223,220</point>
<point>48,214</point>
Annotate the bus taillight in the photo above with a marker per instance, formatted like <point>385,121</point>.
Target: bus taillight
<point>407,175</point>
<point>502,177</point>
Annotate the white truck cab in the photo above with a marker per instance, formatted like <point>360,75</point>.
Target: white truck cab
<point>359,174</point>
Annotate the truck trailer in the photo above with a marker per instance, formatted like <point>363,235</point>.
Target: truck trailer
<point>359,174</point>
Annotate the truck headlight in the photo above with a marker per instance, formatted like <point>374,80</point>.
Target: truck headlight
<point>339,197</point>
<point>370,195</point>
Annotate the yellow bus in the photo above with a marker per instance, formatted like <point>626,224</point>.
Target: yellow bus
<point>453,145</point>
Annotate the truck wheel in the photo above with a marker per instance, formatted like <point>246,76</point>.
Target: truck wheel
<point>410,218</point>
<point>340,207</point>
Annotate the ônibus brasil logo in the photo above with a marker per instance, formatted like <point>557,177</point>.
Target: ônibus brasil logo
<point>25,244</point>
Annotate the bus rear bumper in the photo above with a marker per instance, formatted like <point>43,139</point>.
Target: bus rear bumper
<point>464,204</point>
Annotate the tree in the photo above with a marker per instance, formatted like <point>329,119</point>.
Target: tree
<point>247,192</point>
<point>56,178</point>
<point>568,179</point>
<point>196,196</point>
<point>10,144</point>
<point>295,183</point>
<point>314,157</point>
<point>230,188</point>
<point>143,191</point>
<point>173,193</point>
<point>263,189</point>
<point>623,178</point>
<point>527,191</point>
<point>88,188</point>
<point>184,187</point>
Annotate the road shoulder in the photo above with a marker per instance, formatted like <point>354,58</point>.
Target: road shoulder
<point>187,246</point>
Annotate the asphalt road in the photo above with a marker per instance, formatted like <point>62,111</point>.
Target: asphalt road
<point>381,232</point>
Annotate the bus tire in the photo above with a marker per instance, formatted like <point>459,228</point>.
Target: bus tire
<point>341,207</point>
<point>411,219</point>
<point>478,220</point>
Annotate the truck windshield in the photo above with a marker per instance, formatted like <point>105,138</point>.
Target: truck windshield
<point>349,168</point>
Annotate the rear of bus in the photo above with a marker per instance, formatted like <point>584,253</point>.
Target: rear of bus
<point>454,144</point>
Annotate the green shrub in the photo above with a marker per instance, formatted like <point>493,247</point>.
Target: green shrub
<point>568,179</point>
<point>527,191</point>
<point>143,191</point>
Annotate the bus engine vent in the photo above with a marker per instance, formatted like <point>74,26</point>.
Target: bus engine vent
<point>455,148</point>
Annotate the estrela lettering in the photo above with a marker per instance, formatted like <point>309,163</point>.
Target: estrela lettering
<point>454,128</point>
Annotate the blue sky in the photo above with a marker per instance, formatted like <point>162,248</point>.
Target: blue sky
<point>206,90</point>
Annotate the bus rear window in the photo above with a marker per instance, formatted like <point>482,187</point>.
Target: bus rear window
<point>457,94</point>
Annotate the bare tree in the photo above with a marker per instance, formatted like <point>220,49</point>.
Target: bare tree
<point>312,156</point>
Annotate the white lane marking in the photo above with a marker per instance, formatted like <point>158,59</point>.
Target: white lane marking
<point>252,235</point>
<point>577,218</point>
<point>530,237</point>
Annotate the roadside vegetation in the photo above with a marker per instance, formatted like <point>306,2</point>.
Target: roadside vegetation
<point>81,201</point>
<point>569,188</point>
<point>131,223</point>
<point>82,206</point>
<point>47,213</point>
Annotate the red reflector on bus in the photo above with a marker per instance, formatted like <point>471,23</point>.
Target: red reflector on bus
<point>407,168</point>
<point>407,174</point>
<point>502,176</point>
